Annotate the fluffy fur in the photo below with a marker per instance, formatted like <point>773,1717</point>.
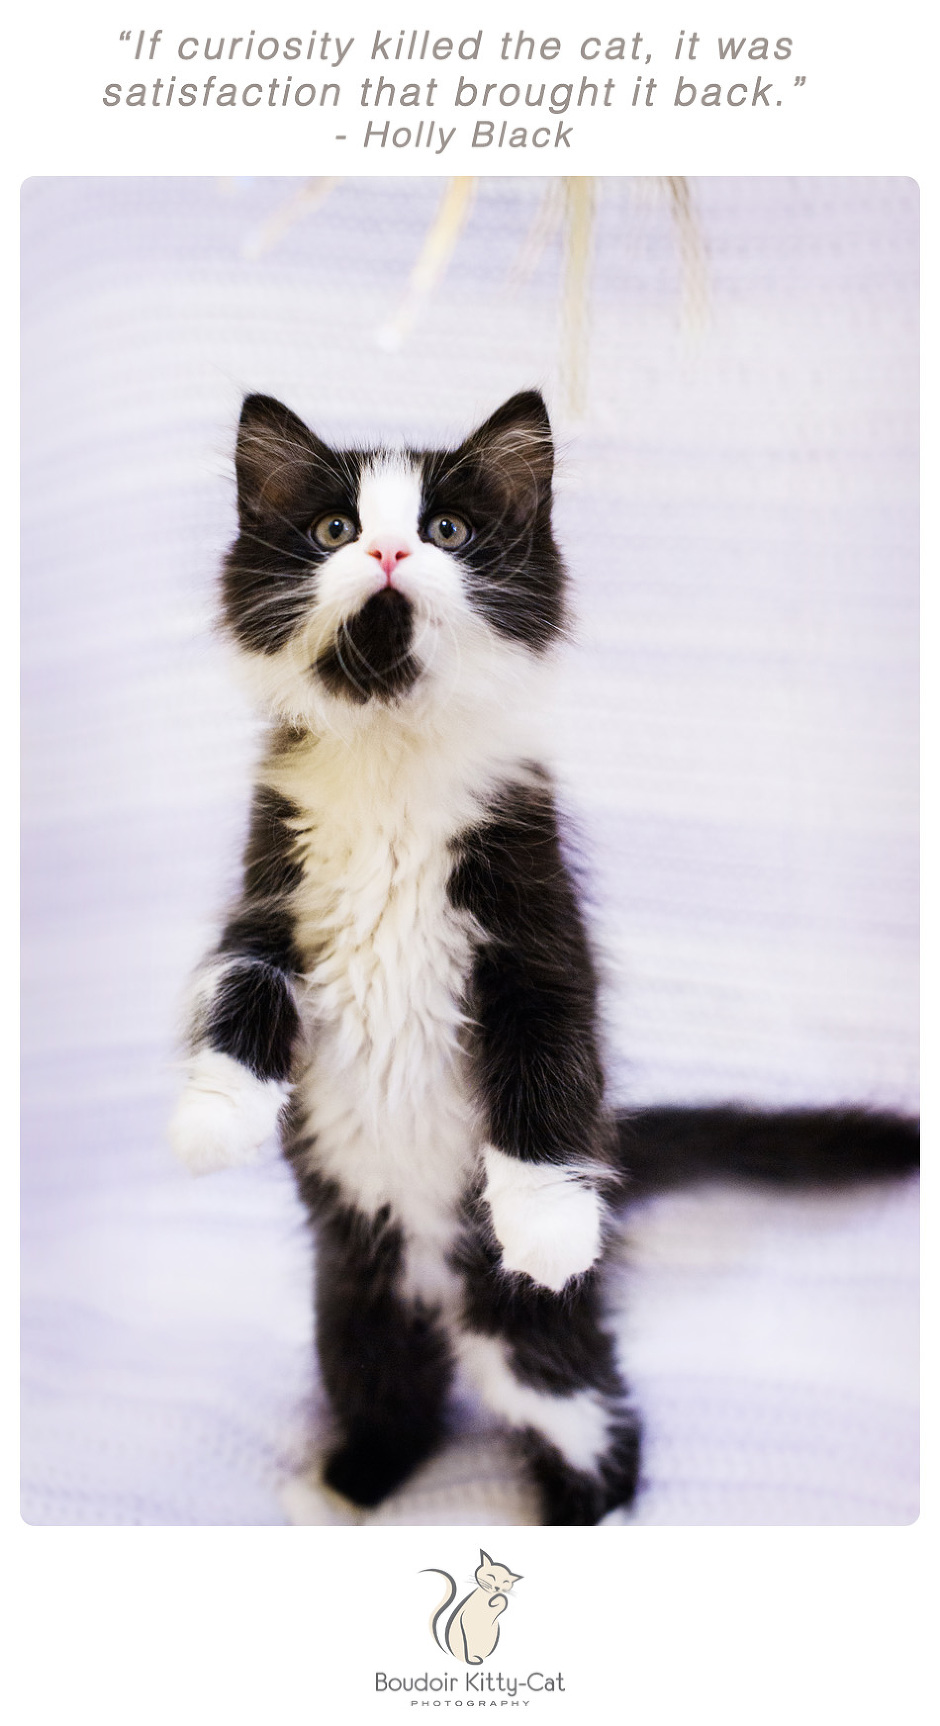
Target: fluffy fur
<point>405,986</point>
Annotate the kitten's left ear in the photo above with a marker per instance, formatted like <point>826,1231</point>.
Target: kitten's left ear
<point>514,446</point>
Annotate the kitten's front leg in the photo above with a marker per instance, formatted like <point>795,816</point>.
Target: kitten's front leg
<point>546,1219</point>
<point>535,1048</point>
<point>238,1071</point>
<point>225,1114</point>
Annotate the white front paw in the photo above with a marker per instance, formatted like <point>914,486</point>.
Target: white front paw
<point>546,1221</point>
<point>224,1115</point>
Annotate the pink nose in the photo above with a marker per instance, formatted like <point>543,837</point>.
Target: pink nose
<point>388,551</point>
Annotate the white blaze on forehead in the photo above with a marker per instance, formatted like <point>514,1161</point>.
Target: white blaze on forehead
<point>390,499</point>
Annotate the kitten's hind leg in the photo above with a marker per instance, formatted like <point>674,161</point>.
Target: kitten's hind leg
<point>570,1494</point>
<point>386,1361</point>
<point>545,1363</point>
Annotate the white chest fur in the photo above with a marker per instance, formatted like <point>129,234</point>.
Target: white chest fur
<point>385,1094</point>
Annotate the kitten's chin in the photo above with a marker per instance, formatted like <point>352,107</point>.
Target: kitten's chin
<point>370,657</point>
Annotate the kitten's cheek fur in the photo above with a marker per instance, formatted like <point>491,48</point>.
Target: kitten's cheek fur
<point>225,1114</point>
<point>546,1221</point>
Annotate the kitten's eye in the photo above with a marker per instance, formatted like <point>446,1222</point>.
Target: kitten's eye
<point>447,531</point>
<point>333,530</point>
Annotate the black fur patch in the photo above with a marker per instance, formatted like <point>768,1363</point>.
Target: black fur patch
<point>371,656</point>
<point>271,866</point>
<point>677,1147</point>
<point>287,480</point>
<point>534,1046</point>
<point>556,1342</point>
<point>386,1362</point>
<point>571,1497</point>
<point>252,1015</point>
<point>253,1018</point>
<point>500,482</point>
<point>261,926</point>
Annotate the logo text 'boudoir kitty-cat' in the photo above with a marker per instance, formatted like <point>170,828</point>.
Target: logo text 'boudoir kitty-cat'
<point>469,1630</point>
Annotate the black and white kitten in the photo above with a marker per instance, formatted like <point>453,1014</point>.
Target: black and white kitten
<point>405,987</point>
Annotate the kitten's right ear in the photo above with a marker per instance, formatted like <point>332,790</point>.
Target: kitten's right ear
<point>272,452</point>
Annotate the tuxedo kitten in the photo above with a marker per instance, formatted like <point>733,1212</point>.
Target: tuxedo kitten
<point>405,989</point>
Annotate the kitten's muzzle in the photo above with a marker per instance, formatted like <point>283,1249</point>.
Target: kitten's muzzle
<point>389,551</point>
<point>370,657</point>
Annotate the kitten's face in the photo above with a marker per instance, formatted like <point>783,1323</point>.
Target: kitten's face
<point>381,579</point>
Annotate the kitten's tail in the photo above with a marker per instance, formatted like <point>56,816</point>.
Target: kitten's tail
<point>664,1148</point>
<point>440,1610</point>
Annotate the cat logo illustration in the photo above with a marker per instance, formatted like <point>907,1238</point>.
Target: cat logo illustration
<point>470,1630</point>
